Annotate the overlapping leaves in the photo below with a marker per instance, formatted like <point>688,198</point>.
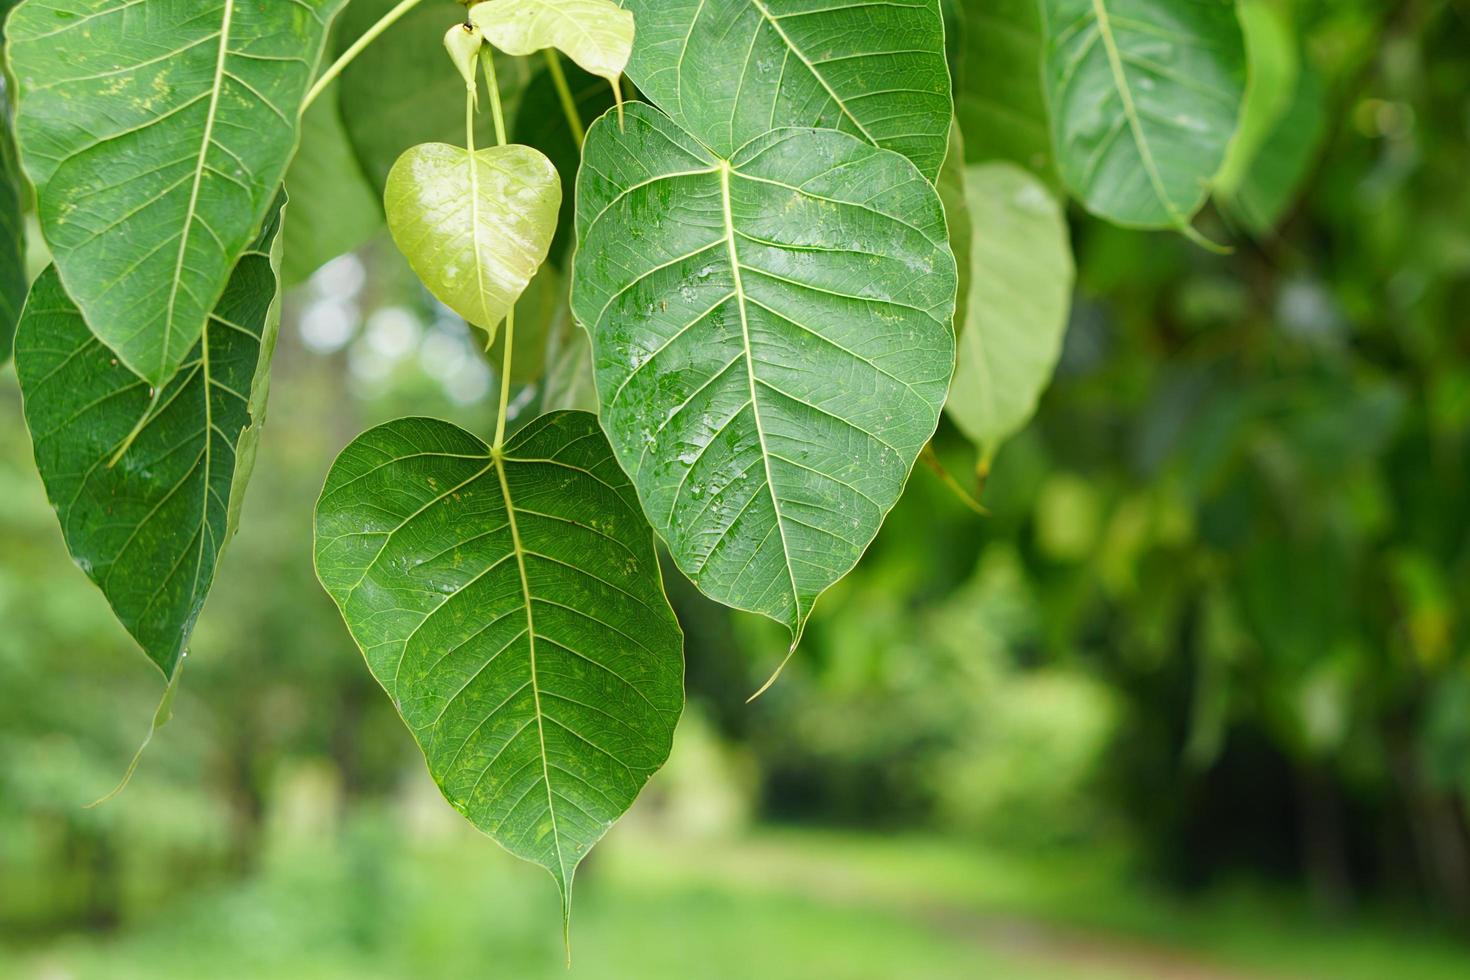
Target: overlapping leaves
<point>156,135</point>
<point>510,604</point>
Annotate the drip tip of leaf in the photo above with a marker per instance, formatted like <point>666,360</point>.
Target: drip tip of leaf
<point>161,716</point>
<point>776,674</point>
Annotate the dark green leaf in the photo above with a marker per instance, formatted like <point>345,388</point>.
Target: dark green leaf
<point>1144,96</point>
<point>157,135</point>
<point>148,487</point>
<point>772,343</point>
<point>1285,158</point>
<point>728,71</point>
<point>511,606</point>
<point>13,195</point>
<point>999,100</point>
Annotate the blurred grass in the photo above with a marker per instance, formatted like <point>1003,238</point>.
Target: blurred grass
<point>775,903</point>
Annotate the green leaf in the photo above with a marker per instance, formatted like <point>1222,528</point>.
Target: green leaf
<point>570,381</point>
<point>474,227</point>
<point>772,342</point>
<point>999,100</point>
<point>951,188</point>
<point>596,34</point>
<point>333,208</point>
<point>148,482</point>
<point>157,135</point>
<point>400,91</point>
<point>728,71</point>
<point>13,196</point>
<point>1021,276</point>
<point>538,309</point>
<point>1285,158</point>
<point>511,606</point>
<point>1144,96</point>
<point>1274,66</point>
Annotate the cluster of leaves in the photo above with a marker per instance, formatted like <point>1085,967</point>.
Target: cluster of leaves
<point>742,325</point>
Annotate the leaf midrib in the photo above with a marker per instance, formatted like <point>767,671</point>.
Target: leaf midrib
<point>821,79</point>
<point>189,218</point>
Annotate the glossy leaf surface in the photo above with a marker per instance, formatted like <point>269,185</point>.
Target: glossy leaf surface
<point>157,135</point>
<point>1144,97</point>
<point>596,34</point>
<point>512,609</point>
<point>728,71</point>
<point>1021,275</point>
<point>148,526</point>
<point>772,343</point>
<point>474,227</point>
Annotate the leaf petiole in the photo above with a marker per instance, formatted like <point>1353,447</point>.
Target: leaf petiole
<point>564,92</point>
<point>356,48</point>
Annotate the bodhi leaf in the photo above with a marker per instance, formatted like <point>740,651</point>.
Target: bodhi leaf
<point>728,71</point>
<point>1021,277</point>
<point>1271,50</point>
<point>1144,96</point>
<point>511,606</point>
<point>157,135</point>
<point>13,279</point>
<point>148,486</point>
<point>772,341</point>
<point>570,381</point>
<point>596,34</point>
<point>543,302</point>
<point>474,227</point>
<point>999,100</point>
<point>1285,157</point>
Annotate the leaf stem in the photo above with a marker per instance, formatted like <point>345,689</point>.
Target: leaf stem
<point>368,37</point>
<point>487,58</point>
<point>564,92</point>
<point>931,459</point>
<point>509,340</point>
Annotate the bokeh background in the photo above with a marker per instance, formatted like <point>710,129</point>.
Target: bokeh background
<point>1192,701</point>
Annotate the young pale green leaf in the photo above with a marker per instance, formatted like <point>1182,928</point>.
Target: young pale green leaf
<point>333,208</point>
<point>728,71</point>
<point>147,482</point>
<point>400,92</point>
<point>998,99</point>
<point>596,34</point>
<point>157,135</point>
<point>511,606</point>
<point>474,227</point>
<point>772,341</point>
<point>1021,275</point>
<point>1144,97</point>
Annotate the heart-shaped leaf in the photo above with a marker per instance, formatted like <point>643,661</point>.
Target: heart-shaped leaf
<point>728,71</point>
<point>596,34</point>
<point>511,606</point>
<point>771,334</point>
<point>1144,97</point>
<point>1020,291</point>
<point>474,227</point>
<point>147,483</point>
<point>157,135</point>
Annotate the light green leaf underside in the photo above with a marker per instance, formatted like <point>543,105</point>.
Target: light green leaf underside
<point>399,92</point>
<point>596,34</point>
<point>333,208</point>
<point>149,529</point>
<point>474,227</point>
<point>514,613</point>
<point>728,71</point>
<point>1144,96</point>
<point>772,344</point>
<point>1274,64</point>
<point>1021,276</point>
<point>157,135</point>
<point>998,99</point>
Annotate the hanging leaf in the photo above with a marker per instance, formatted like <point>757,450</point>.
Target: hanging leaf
<point>1021,276</point>
<point>728,71</point>
<point>999,100</point>
<point>397,93</point>
<point>596,34</point>
<point>474,227</point>
<point>1144,96</point>
<point>570,382</point>
<point>1271,52</point>
<point>1285,158</point>
<point>148,487</point>
<point>333,208</point>
<point>951,188</point>
<point>772,343</point>
<point>157,135</point>
<point>13,195</point>
<point>543,302</point>
<point>511,606</point>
